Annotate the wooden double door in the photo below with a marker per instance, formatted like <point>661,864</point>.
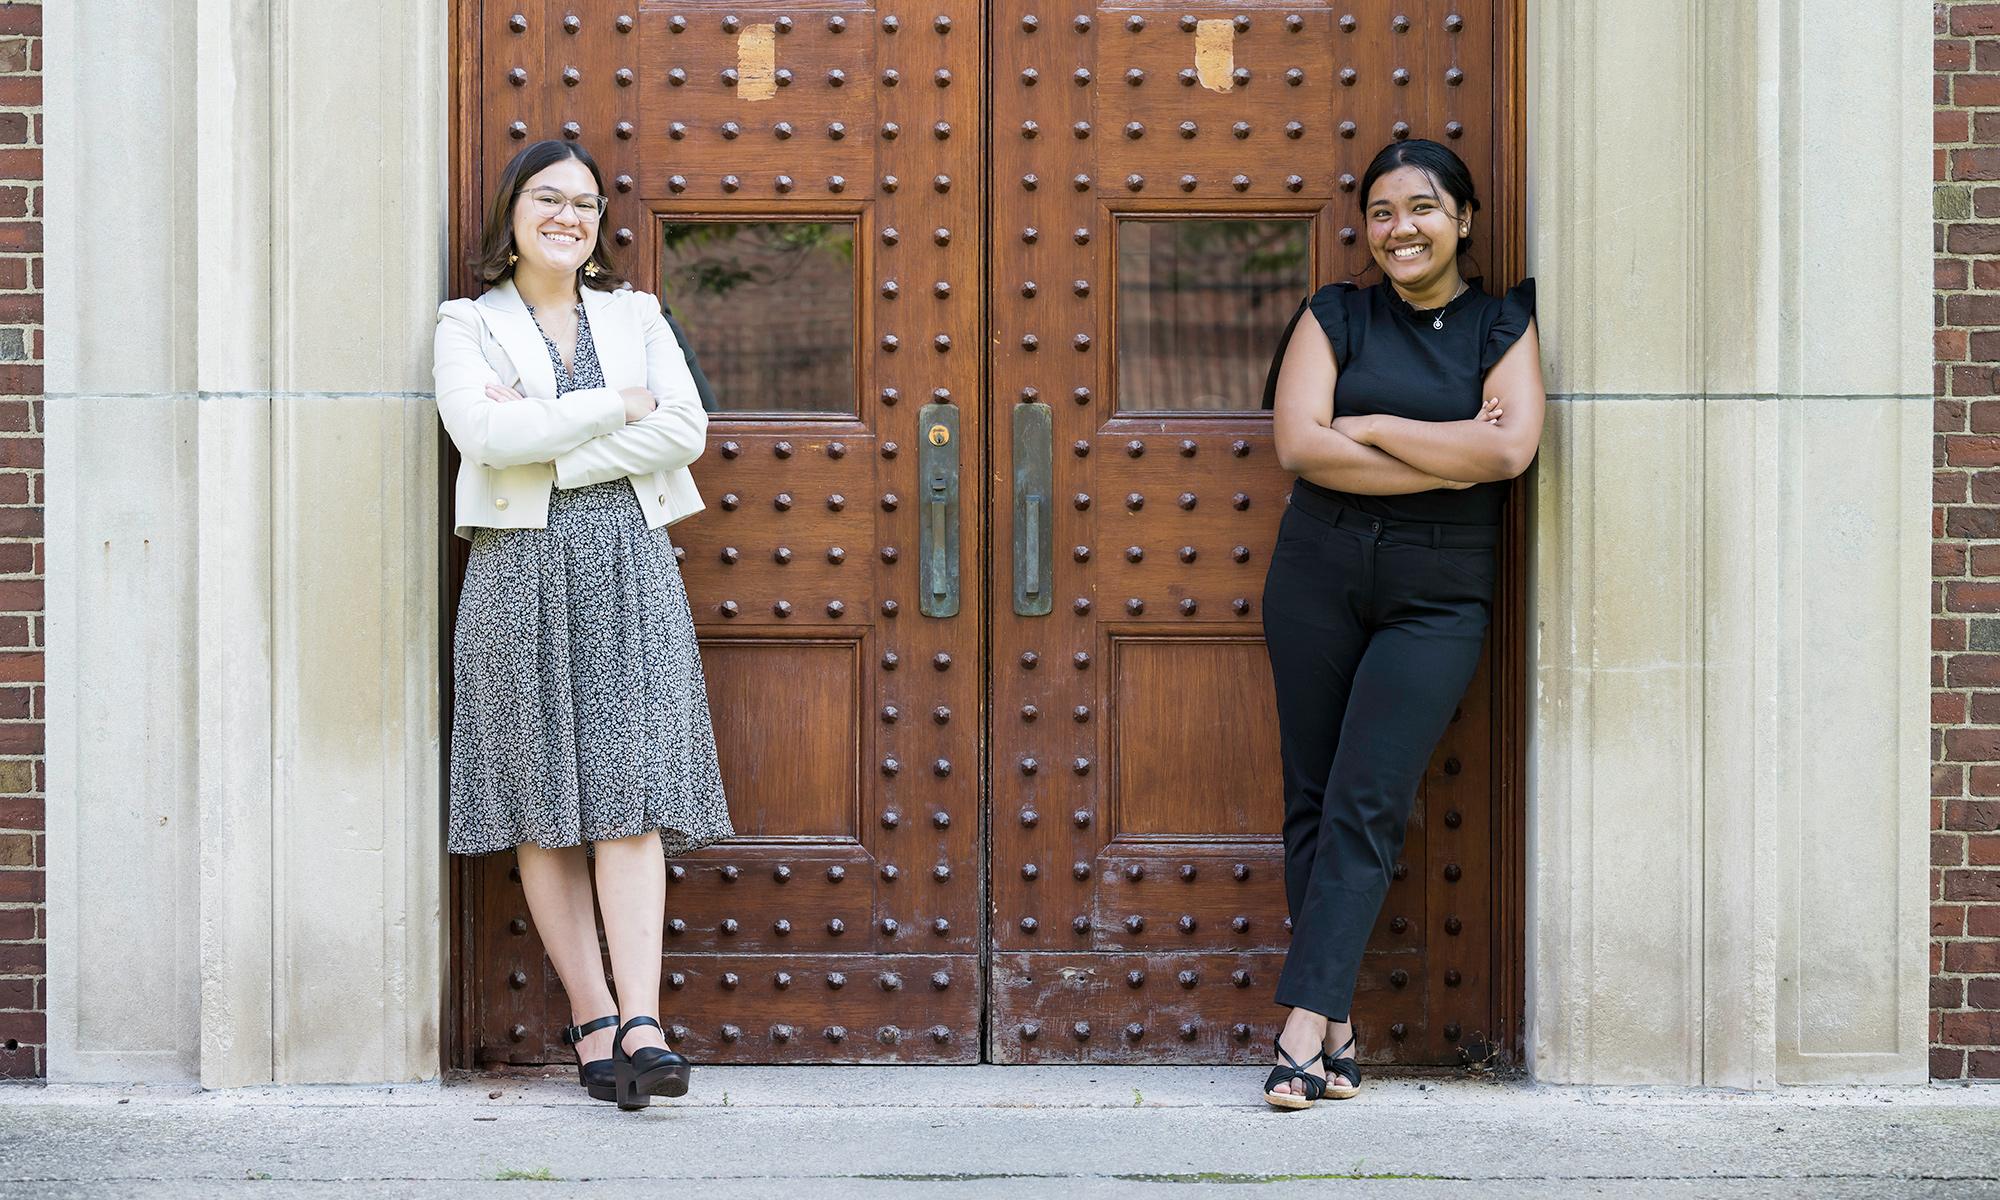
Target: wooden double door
<point>987,292</point>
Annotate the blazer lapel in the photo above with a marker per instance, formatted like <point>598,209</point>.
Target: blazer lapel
<point>516,332</point>
<point>619,346</point>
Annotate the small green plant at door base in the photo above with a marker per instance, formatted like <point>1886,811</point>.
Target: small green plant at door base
<point>539,1175</point>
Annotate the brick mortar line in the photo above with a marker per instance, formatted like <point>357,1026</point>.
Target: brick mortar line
<point>31,1056</point>
<point>1955,333</point>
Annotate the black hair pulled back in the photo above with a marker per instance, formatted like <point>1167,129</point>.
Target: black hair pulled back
<point>1447,171</point>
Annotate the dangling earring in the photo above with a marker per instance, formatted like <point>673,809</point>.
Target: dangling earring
<point>590,269</point>
<point>512,258</point>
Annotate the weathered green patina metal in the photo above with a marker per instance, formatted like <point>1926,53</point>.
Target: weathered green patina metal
<point>937,466</point>
<point>1034,522</point>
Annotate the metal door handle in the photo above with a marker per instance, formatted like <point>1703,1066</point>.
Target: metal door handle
<point>1034,533</point>
<point>937,469</point>
<point>940,499</point>
<point>1031,554</point>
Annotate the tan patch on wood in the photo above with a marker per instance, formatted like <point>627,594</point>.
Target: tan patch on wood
<point>757,62</point>
<point>1215,54</point>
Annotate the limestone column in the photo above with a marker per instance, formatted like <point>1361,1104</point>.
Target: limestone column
<point>247,230</point>
<point>1730,547</point>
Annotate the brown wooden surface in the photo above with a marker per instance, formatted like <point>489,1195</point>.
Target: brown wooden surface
<point>881,836</point>
<point>848,724</point>
<point>1106,841</point>
<point>1185,1007</point>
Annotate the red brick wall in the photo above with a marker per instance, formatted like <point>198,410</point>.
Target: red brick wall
<point>23,923</point>
<point>1965,557</point>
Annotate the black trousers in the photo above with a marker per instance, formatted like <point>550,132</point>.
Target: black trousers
<point>1374,629</point>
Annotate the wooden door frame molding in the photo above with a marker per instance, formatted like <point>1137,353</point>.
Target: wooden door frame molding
<point>1510,724</point>
<point>1510,646</point>
<point>462,205</point>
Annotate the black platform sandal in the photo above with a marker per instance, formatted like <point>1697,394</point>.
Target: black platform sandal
<point>596,1075</point>
<point>647,1072</point>
<point>1343,1075</point>
<point>1314,1086</point>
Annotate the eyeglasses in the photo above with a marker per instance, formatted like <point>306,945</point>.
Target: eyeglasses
<point>549,202</point>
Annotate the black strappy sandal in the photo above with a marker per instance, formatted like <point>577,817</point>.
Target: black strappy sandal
<point>1314,1086</point>
<point>595,1076</point>
<point>647,1072</point>
<point>1343,1075</point>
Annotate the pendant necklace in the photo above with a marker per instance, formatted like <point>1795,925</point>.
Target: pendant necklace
<point>1437,322</point>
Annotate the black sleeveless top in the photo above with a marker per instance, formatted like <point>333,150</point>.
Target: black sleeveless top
<point>1391,360</point>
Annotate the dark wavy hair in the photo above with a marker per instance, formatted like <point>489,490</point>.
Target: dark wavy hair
<point>1446,170</point>
<point>491,264</point>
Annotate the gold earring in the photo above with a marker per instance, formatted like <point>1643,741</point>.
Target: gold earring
<point>512,258</point>
<point>590,269</point>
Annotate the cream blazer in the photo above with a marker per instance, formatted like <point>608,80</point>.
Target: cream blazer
<point>513,454</point>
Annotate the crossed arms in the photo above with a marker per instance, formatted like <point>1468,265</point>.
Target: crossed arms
<point>1394,456</point>
<point>590,435</point>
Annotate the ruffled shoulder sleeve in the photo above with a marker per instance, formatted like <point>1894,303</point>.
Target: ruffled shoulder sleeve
<point>1329,307</point>
<point>1517,308</point>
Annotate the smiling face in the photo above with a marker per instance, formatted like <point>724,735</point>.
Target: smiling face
<point>1413,229</point>
<point>558,243</point>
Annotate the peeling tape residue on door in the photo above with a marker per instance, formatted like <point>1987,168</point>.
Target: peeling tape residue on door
<point>1081,978</point>
<point>757,62</point>
<point>1215,54</point>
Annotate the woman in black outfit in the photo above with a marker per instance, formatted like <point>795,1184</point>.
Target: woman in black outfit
<point>1404,407</point>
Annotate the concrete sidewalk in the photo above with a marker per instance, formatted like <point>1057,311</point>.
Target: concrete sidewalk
<point>809,1132</point>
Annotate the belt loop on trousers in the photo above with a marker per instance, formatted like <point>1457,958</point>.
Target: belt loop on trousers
<point>1437,536</point>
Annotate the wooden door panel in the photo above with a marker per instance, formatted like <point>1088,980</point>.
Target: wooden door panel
<point>718,114</point>
<point>1205,898</point>
<point>904,1008</point>
<point>1456,821</point>
<point>1126,895</point>
<point>1193,732</point>
<point>1175,1007</point>
<point>843,923</point>
<point>813,540</point>
<point>816,792</point>
<point>1252,81</point>
<point>795,897</point>
<point>1138,908</point>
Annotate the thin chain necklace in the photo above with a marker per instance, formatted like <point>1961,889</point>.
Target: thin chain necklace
<point>1437,322</point>
<point>580,318</point>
